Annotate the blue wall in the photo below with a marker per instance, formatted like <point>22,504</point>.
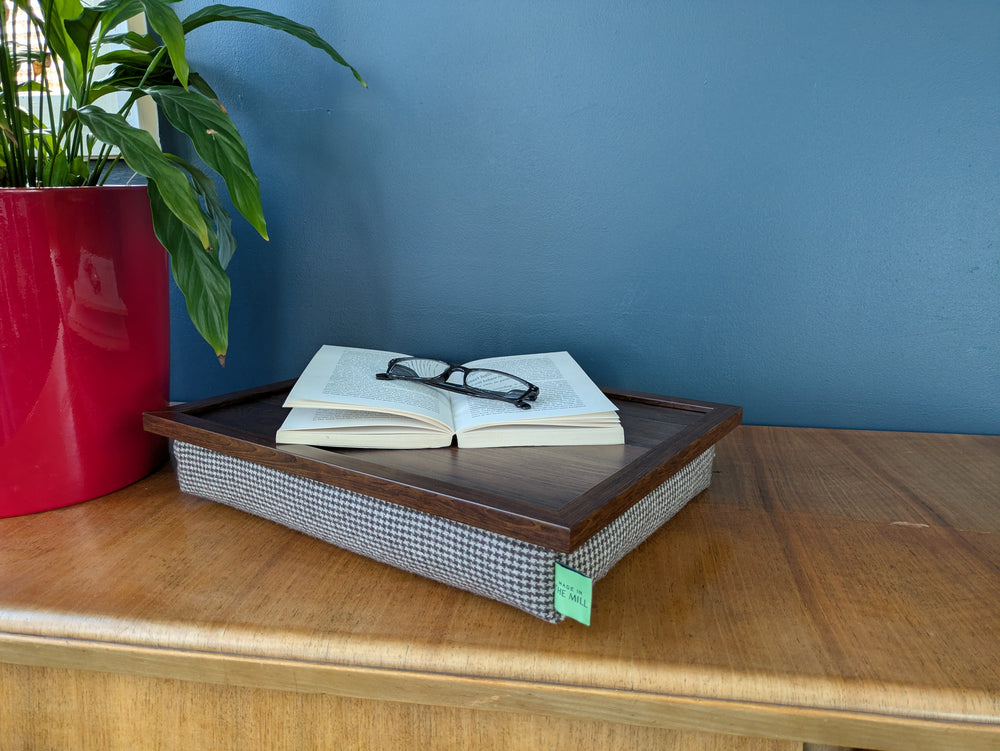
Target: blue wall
<point>790,205</point>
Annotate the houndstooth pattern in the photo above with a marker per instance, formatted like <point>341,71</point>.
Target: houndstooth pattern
<point>502,568</point>
<point>600,553</point>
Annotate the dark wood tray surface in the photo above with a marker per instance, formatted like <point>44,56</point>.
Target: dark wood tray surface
<point>557,497</point>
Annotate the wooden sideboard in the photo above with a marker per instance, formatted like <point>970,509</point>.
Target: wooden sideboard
<point>832,588</point>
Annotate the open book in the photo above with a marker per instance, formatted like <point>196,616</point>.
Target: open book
<point>337,401</point>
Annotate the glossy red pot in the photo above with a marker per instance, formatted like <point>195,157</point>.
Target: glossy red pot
<point>84,343</point>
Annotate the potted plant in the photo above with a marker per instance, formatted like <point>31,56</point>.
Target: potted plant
<point>62,62</point>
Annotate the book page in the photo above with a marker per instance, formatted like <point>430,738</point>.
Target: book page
<point>353,428</point>
<point>564,390</point>
<point>344,378</point>
<point>307,418</point>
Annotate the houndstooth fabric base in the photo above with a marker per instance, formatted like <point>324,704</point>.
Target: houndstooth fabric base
<point>502,568</point>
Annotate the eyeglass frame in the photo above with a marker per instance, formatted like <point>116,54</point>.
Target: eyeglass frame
<point>441,381</point>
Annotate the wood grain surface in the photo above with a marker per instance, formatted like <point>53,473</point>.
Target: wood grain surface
<point>831,587</point>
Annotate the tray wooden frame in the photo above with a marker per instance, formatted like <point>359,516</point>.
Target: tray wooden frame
<point>557,497</point>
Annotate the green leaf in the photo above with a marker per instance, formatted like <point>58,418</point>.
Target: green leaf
<point>198,275</point>
<point>98,90</point>
<point>225,245</point>
<point>164,21</point>
<point>307,34</point>
<point>80,169</point>
<point>218,143</point>
<point>81,31</point>
<point>196,82</point>
<point>143,155</point>
<point>132,58</point>
<point>114,12</point>
<point>62,44</point>
<point>133,40</point>
<point>134,69</point>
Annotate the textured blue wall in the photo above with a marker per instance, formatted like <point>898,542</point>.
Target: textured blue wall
<point>791,205</point>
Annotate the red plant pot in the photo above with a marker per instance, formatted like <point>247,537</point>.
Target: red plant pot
<point>84,344</point>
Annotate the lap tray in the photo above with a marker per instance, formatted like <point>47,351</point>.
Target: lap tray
<point>490,521</point>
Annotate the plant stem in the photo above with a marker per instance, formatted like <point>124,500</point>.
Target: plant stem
<point>13,142</point>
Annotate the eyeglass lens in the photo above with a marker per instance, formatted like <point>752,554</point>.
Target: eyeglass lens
<point>419,367</point>
<point>492,381</point>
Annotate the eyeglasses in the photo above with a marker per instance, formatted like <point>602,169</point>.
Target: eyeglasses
<point>481,382</point>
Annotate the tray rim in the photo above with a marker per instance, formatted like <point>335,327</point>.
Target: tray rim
<point>563,530</point>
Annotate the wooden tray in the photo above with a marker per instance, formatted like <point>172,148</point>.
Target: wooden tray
<point>557,497</point>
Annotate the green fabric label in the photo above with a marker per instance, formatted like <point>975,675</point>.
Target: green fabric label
<point>573,594</point>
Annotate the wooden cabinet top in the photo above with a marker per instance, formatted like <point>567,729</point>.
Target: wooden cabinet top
<point>838,586</point>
